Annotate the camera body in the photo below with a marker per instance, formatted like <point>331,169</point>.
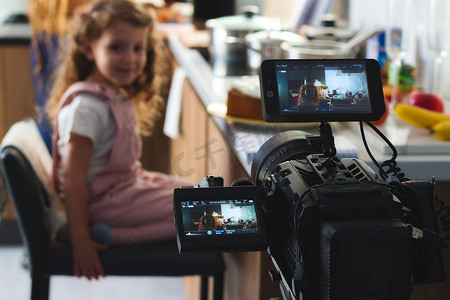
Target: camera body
<point>333,228</point>
<point>344,233</point>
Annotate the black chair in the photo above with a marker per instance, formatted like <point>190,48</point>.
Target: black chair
<point>38,218</point>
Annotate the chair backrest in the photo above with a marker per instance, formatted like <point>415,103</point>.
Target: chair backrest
<point>26,167</point>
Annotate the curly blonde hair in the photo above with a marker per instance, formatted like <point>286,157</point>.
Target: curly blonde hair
<point>51,16</point>
<point>74,66</point>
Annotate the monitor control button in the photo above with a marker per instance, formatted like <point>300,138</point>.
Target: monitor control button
<point>269,93</point>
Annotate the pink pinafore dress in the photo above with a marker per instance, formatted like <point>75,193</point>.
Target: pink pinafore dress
<point>137,204</point>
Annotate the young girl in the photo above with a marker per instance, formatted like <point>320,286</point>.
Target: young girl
<point>106,83</point>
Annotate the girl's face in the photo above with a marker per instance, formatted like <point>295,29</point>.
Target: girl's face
<point>119,54</point>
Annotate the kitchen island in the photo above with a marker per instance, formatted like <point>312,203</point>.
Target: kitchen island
<point>204,145</point>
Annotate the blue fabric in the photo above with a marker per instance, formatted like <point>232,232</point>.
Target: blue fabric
<point>46,48</point>
<point>101,233</point>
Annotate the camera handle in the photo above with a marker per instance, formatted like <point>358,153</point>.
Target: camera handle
<point>326,141</point>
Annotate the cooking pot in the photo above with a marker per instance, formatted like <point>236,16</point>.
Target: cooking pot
<point>317,49</point>
<point>227,36</point>
<point>267,44</point>
<point>330,29</point>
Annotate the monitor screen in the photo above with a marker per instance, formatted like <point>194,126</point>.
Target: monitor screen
<point>219,217</point>
<point>323,88</point>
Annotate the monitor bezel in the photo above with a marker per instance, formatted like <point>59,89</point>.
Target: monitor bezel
<point>270,94</point>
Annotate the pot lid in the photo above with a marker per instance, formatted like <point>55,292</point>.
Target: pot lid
<point>267,37</point>
<point>248,21</point>
<point>318,47</point>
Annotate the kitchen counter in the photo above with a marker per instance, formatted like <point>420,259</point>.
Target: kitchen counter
<point>421,156</point>
<point>15,34</point>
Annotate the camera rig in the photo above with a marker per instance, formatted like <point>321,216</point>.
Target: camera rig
<point>335,228</point>
<point>337,231</point>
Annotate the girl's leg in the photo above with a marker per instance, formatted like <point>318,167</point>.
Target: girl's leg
<point>143,212</point>
<point>162,230</point>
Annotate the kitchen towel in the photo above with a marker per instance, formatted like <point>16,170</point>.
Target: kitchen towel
<point>173,110</point>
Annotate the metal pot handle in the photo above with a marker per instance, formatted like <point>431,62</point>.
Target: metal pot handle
<point>250,10</point>
<point>239,41</point>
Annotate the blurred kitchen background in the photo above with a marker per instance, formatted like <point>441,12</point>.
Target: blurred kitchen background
<point>311,29</point>
<point>424,51</point>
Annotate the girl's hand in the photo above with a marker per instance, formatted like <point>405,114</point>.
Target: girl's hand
<point>85,251</point>
<point>86,261</point>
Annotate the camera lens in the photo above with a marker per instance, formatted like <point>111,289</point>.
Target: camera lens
<point>282,147</point>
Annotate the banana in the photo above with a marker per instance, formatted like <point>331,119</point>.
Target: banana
<point>441,130</point>
<point>418,116</point>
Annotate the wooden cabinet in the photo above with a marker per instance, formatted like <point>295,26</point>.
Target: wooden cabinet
<point>189,151</point>
<point>247,274</point>
<point>200,150</point>
<point>221,158</point>
<point>17,99</point>
<point>187,157</point>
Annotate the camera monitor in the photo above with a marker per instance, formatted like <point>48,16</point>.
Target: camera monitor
<point>225,218</point>
<point>321,90</point>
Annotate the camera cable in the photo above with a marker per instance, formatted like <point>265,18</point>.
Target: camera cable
<point>443,212</point>
<point>298,203</point>
<point>388,169</point>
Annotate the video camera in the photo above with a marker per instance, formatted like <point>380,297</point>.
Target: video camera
<point>334,228</point>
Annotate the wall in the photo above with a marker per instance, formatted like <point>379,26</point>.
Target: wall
<point>239,3</point>
<point>361,13</point>
<point>374,12</point>
<point>9,7</point>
